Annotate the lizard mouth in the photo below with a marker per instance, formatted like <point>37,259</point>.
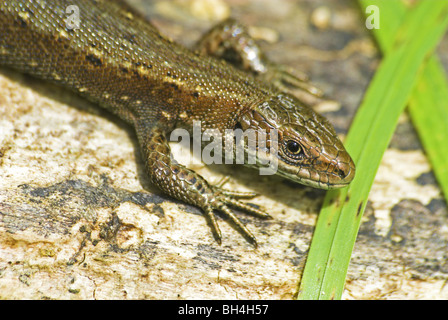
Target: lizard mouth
<point>320,173</point>
<point>334,176</point>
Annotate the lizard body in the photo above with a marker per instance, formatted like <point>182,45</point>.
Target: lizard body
<point>118,60</point>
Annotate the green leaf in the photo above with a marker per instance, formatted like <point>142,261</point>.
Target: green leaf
<point>428,105</point>
<point>338,223</point>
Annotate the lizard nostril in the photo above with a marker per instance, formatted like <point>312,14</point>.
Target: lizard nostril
<point>346,171</point>
<point>341,173</point>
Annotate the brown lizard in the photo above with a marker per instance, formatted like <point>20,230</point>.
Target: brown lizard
<point>117,59</point>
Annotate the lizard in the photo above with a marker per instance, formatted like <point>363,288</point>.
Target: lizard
<point>117,59</point>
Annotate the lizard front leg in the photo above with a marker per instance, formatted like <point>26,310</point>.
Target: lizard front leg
<point>231,41</point>
<point>184,184</point>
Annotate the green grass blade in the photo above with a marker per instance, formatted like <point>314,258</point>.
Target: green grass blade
<point>428,108</point>
<point>368,138</point>
<point>428,105</point>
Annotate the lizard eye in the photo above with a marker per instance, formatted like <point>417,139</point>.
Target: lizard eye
<point>238,126</point>
<point>293,148</point>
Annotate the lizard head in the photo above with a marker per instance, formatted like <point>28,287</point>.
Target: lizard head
<point>302,144</point>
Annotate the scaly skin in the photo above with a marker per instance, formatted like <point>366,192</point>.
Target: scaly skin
<point>121,62</point>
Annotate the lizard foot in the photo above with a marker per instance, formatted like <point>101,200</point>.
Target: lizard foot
<point>221,201</point>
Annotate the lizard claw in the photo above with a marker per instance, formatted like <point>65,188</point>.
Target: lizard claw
<point>238,194</point>
<point>287,79</point>
<point>232,194</point>
<point>225,199</point>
